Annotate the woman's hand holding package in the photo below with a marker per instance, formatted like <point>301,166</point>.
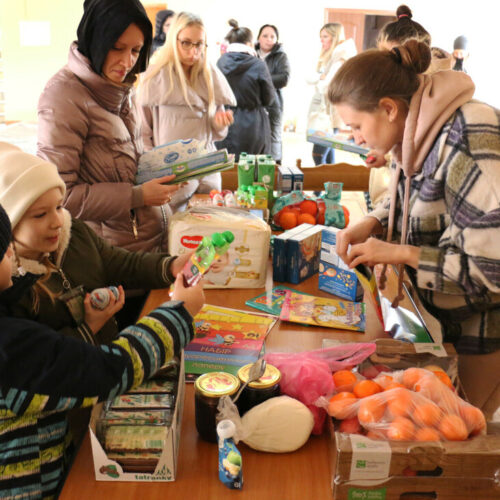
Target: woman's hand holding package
<point>157,192</point>
<point>374,251</point>
<point>97,318</point>
<point>357,233</point>
<point>223,119</point>
<point>192,296</point>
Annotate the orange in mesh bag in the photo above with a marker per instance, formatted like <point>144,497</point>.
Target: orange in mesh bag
<point>416,405</point>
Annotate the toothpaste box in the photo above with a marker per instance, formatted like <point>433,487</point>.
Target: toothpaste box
<point>335,277</point>
<point>303,251</point>
<point>284,180</point>
<point>298,178</point>
<point>280,251</point>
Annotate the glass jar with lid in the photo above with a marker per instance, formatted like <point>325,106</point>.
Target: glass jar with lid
<point>208,389</point>
<point>260,390</point>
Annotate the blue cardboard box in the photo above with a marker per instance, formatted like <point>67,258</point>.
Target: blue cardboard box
<point>335,277</point>
<point>284,180</point>
<point>280,251</point>
<point>303,252</point>
<point>298,178</point>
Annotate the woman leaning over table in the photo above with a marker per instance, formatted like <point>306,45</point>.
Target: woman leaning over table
<point>182,96</point>
<point>445,191</point>
<point>89,128</point>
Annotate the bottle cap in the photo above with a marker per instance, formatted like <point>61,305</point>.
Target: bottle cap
<point>226,429</point>
<point>228,236</point>
<point>218,240</point>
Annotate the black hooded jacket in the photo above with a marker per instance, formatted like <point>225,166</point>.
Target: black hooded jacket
<point>253,88</point>
<point>103,22</point>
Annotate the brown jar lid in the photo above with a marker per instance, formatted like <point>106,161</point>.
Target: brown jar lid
<point>216,384</point>
<point>271,377</point>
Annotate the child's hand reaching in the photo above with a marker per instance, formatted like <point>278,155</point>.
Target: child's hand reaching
<point>97,318</point>
<point>223,118</point>
<point>192,296</point>
<point>177,265</point>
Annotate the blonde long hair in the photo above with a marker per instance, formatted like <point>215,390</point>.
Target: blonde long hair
<point>168,57</point>
<point>336,31</point>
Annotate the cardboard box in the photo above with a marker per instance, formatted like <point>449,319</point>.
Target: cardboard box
<point>106,469</point>
<point>335,277</point>
<point>245,263</point>
<point>280,251</point>
<point>284,180</point>
<point>298,178</point>
<point>303,251</point>
<point>392,470</point>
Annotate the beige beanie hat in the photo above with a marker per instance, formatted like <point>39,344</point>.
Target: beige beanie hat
<point>23,179</point>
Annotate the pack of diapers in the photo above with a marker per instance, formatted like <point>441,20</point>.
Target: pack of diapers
<point>244,265</point>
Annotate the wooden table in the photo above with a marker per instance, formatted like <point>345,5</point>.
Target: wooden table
<point>303,474</point>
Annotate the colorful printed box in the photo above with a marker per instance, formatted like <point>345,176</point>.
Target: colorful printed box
<point>335,277</point>
<point>298,178</point>
<point>284,180</point>
<point>303,252</point>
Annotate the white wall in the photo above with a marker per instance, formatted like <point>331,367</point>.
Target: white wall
<point>28,68</point>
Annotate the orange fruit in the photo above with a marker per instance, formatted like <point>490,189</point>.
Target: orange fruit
<point>346,216</point>
<point>427,414</point>
<point>376,434</point>
<point>399,402</point>
<point>371,410</point>
<point>342,405</point>
<point>365,388</point>
<point>288,219</point>
<point>443,376</point>
<point>412,375</point>
<point>401,429</point>
<point>448,401</point>
<point>453,428</point>
<point>344,380</point>
<point>394,385</point>
<point>427,434</point>
<point>308,207</point>
<point>384,380</point>
<point>350,426</point>
<point>473,418</point>
<point>306,218</point>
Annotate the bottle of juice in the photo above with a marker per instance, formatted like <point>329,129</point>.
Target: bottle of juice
<point>209,249</point>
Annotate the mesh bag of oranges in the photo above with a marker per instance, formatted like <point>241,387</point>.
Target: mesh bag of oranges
<point>408,405</point>
<point>296,208</point>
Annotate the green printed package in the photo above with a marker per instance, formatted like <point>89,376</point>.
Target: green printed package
<point>208,250</point>
<point>265,174</point>
<point>246,169</point>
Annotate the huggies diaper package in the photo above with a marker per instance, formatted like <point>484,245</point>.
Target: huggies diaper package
<point>244,265</point>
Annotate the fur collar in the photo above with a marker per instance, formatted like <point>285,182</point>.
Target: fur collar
<point>35,267</point>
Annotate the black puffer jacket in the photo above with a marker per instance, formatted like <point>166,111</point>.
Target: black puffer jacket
<point>253,88</point>
<point>159,38</point>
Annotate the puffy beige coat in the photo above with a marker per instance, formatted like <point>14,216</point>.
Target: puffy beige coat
<point>88,127</point>
<point>167,117</point>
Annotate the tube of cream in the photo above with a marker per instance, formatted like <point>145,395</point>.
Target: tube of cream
<point>230,464</point>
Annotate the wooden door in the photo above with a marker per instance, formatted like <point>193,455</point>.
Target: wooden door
<point>152,10</point>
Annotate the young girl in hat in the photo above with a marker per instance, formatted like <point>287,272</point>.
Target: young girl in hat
<point>43,375</point>
<point>445,187</point>
<point>64,259</point>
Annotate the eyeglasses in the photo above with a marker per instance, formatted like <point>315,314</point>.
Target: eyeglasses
<point>187,45</point>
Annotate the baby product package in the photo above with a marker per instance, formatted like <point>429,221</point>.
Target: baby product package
<point>244,264</point>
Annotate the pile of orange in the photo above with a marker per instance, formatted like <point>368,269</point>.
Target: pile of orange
<point>307,211</point>
<point>412,405</point>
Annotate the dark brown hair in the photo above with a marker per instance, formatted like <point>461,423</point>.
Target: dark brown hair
<point>237,34</point>
<point>373,74</point>
<point>403,29</point>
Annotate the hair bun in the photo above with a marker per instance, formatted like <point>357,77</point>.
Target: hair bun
<point>415,55</point>
<point>404,11</point>
<point>233,23</point>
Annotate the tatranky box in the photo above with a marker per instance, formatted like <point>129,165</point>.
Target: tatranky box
<point>335,277</point>
<point>245,263</point>
<point>392,470</point>
<point>109,470</point>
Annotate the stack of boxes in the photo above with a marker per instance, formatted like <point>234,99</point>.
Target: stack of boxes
<point>257,169</point>
<point>290,179</point>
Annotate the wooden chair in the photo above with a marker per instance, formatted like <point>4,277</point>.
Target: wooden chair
<point>354,177</point>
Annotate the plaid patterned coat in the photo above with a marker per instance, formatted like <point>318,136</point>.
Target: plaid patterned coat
<point>454,218</point>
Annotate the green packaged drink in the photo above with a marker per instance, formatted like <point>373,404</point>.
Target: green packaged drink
<point>209,249</point>
<point>246,169</point>
<point>265,174</point>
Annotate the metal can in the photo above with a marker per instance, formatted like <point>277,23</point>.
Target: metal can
<point>208,389</point>
<point>260,390</point>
